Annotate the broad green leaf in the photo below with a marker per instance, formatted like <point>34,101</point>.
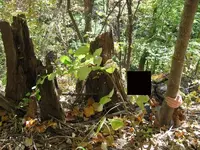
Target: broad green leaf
<point>110,70</point>
<point>83,72</point>
<point>116,123</point>
<point>65,59</point>
<point>105,100</point>
<point>97,52</point>
<point>51,76</point>
<point>102,121</point>
<point>97,61</point>
<point>111,93</point>
<point>83,50</point>
<point>89,61</point>
<point>81,57</point>
<point>141,100</point>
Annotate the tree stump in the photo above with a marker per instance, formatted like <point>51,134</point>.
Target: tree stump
<point>100,82</point>
<point>20,58</point>
<point>23,68</point>
<point>49,103</point>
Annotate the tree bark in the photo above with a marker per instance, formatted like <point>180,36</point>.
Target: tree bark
<point>129,32</point>
<point>185,28</point>
<point>143,59</point>
<point>20,58</point>
<point>131,16</point>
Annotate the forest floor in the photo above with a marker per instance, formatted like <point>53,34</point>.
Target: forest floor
<point>139,130</point>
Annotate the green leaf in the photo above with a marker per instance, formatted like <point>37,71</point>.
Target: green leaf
<point>97,61</point>
<point>116,123</point>
<point>83,50</point>
<point>65,60</point>
<point>80,147</point>
<point>111,93</point>
<point>81,57</point>
<point>89,61</point>
<point>97,52</point>
<point>105,100</point>
<point>51,76</point>
<point>102,122</point>
<point>110,70</point>
<point>37,94</point>
<point>41,80</point>
<point>28,94</point>
<point>141,100</point>
<point>83,72</point>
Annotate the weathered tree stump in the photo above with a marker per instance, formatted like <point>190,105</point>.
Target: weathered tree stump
<point>100,82</point>
<point>23,69</point>
<point>20,58</point>
<point>49,103</point>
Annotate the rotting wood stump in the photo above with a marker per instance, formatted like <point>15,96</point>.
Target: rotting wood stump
<point>100,82</point>
<point>23,68</point>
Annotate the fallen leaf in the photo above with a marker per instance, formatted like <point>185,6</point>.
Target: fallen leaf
<point>4,118</point>
<point>89,111</point>
<point>90,101</point>
<point>41,128</point>
<point>179,134</point>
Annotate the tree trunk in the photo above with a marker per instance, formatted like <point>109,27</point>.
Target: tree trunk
<point>129,32</point>
<point>185,28</point>
<point>88,5</point>
<point>143,59</point>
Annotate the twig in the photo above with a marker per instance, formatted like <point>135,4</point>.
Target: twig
<point>108,16</point>
<point>121,97</point>
<point>60,121</point>
<point>79,94</point>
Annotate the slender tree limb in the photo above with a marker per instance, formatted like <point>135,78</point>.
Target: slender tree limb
<point>104,24</point>
<point>73,21</point>
<point>131,16</point>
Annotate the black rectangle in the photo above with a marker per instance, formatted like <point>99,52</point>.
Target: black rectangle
<point>139,82</point>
